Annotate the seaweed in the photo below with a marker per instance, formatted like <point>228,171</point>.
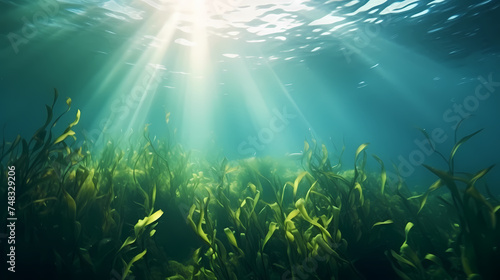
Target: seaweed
<point>152,210</point>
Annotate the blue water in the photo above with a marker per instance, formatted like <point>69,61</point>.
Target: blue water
<point>256,78</point>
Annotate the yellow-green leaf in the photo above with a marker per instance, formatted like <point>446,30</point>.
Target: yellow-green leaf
<point>357,187</point>
<point>272,227</point>
<point>459,143</point>
<point>68,132</point>
<point>152,218</point>
<point>292,214</point>
<point>301,207</point>
<point>433,187</point>
<point>387,222</point>
<point>230,237</point>
<point>167,117</point>
<point>436,185</point>
<point>408,227</point>
<point>321,242</point>
<point>77,119</point>
<point>129,265</point>
<point>402,260</point>
<point>199,229</point>
<point>297,182</point>
<point>70,205</point>
<point>434,259</point>
<point>64,136</point>
<point>325,155</point>
<point>408,252</point>
<point>383,174</point>
<point>445,176</point>
<point>153,198</point>
<point>252,187</point>
<point>479,175</point>
<point>422,203</point>
<point>127,242</point>
<point>359,150</point>
<point>87,191</point>
<point>190,217</point>
<point>310,189</point>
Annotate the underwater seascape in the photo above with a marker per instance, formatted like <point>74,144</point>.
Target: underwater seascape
<point>238,139</point>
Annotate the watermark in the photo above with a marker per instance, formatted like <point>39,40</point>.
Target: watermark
<point>309,265</point>
<point>425,148</point>
<point>452,116</point>
<point>121,108</point>
<point>11,218</point>
<point>30,29</point>
<point>278,122</point>
<point>363,38</point>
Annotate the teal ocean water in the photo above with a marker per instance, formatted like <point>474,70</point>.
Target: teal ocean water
<point>272,86</point>
<point>342,71</point>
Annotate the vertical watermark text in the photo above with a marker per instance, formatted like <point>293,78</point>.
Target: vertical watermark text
<point>31,26</point>
<point>11,218</point>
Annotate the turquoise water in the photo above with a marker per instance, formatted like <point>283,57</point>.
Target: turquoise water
<point>340,71</point>
<point>251,81</point>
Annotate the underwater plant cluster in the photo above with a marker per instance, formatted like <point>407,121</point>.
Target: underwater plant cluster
<point>151,210</point>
